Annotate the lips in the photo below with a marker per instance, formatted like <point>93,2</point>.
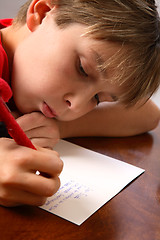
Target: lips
<point>48,112</point>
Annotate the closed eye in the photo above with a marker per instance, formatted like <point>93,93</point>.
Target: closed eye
<point>81,69</point>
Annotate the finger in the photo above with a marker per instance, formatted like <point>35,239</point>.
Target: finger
<point>44,131</point>
<point>14,197</point>
<point>31,120</point>
<point>29,160</point>
<point>45,142</point>
<point>47,161</point>
<point>39,185</point>
<point>50,163</point>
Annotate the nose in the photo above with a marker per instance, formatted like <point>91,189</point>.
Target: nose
<point>80,101</point>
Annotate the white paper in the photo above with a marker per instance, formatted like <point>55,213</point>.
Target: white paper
<point>88,181</point>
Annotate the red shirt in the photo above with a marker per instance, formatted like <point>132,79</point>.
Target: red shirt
<point>4,69</point>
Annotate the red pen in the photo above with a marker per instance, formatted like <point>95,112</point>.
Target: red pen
<point>14,130</point>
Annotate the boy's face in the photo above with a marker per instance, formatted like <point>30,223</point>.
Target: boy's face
<point>54,72</point>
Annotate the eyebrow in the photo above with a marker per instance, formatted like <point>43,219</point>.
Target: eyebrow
<point>100,62</point>
<point>97,58</point>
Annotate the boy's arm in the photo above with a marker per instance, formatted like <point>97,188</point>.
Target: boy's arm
<point>113,120</point>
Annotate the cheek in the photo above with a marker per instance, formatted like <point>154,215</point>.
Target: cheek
<point>61,76</point>
<point>28,70</point>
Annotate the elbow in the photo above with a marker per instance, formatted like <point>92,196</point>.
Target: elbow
<point>149,124</point>
<point>147,127</point>
<point>154,123</point>
<point>153,118</point>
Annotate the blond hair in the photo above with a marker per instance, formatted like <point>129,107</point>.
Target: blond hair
<point>134,24</point>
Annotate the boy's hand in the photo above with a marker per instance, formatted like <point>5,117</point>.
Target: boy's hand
<point>42,131</point>
<point>18,182</point>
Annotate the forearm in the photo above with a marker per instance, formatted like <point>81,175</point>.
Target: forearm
<point>113,120</point>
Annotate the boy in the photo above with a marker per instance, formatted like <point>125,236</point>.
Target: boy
<point>66,57</point>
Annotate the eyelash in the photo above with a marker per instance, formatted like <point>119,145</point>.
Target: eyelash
<point>86,75</point>
<point>82,71</point>
<point>97,98</point>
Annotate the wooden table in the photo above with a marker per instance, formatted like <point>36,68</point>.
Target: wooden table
<point>134,214</point>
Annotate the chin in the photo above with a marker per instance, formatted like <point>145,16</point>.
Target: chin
<point>24,110</point>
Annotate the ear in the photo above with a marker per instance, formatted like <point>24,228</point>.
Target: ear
<point>36,13</point>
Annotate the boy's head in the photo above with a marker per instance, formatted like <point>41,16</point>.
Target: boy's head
<point>131,25</point>
<point>134,24</point>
